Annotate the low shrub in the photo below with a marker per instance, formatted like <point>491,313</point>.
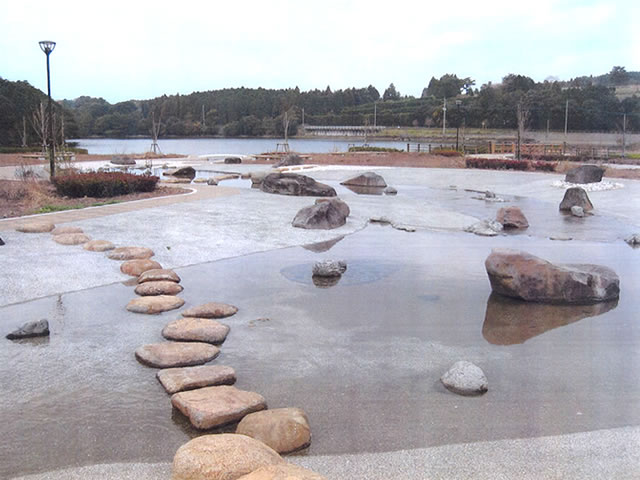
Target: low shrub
<point>446,152</point>
<point>374,149</point>
<point>103,184</point>
<point>506,164</point>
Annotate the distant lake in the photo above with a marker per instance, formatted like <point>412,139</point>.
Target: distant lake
<point>241,146</point>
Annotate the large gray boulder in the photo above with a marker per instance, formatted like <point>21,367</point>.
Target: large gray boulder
<point>368,179</point>
<point>295,184</point>
<point>322,215</point>
<point>521,275</point>
<point>584,174</point>
<point>576,197</point>
<point>465,378</point>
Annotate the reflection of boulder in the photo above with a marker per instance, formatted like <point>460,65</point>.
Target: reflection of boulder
<point>509,321</point>
<point>360,190</point>
<point>325,282</point>
<point>368,179</point>
<point>321,247</point>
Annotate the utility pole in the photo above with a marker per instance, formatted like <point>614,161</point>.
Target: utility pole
<point>624,133</point>
<point>375,113</point>
<point>303,118</point>
<point>444,117</point>
<point>566,119</point>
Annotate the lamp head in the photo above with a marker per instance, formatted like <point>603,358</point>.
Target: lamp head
<point>47,46</point>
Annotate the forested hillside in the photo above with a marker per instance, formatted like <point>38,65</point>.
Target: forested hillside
<point>589,103</point>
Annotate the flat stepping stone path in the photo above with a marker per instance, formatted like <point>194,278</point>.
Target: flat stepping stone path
<point>158,288</point>
<point>98,246</point>
<point>155,304</point>
<point>283,429</point>
<point>191,329</point>
<point>136,267</point>
<point>211,407</point>
<point>176,354</point>
<point>130,253</point>
<point>71,238</point>
<point>211,310</point>
<point>187,378</point>
<point>221,457</point>
<point>465,378</point>
<point>159,274</point>
<point>66,229</point>
<point>36,227</point>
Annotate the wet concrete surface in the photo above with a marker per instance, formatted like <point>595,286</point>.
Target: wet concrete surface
<point>363,358</point>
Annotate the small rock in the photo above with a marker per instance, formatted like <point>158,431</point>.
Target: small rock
<point>138,266</point>
<point>35,227</point>
<point>485,228</point>
<point>633,240</point>
<point>329,268</point>
<point>176,380</point>
<point>221,457</point>
<point>176,354</point>
<point>183,172</point>
<point>98,246</point>
<point>71,238</point>
<point>212,181</point>
<point>161,287</point>
<point>191,329</point>
<point>233,160</point>
<point>288,471</point>
<point>211,407</point>
<point>390,191</point>
<point>465,378</point>
<point>66,229</point>
<point>584,174</point>
<point>577,211</point>
<point>130,253</point>
<point>159,274</point>
<point>211,310</point>
<point>283,429</point>
<point>1,242</point>
<point>576,196</point>
<point>31,329</point>
<point>368,179</point>
<point>154,304</point>
<point>512,217</point>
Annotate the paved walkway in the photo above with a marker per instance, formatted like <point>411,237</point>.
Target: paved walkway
<point>193,194</point>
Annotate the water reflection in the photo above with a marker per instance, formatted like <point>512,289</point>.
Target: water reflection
<point>509,321</point>
<point>360,190</point>
<point>321,247</point>
<point>325,282</point>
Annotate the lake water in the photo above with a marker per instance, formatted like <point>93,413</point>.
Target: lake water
<point>238,146</point>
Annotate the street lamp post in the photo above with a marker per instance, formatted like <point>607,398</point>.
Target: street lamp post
<point>458,103</point>
<point>47,47</point>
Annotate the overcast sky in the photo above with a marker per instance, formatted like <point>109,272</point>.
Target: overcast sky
<point>122,50</point>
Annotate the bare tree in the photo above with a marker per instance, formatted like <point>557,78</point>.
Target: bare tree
<point>155,132</point>
<point>24,131</point>
<point>40,125</point>
<point>523,118</point>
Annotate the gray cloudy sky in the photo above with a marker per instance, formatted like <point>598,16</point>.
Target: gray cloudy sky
<point>122,50</point>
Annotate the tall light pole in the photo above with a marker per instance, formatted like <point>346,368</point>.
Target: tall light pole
<point>47,47</point>
<point>458,103</point>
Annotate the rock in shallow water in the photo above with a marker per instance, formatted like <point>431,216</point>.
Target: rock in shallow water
<point>211,310</point>
<point>159,274</point>
<point>367,179</point>
<point>584,174</point>
<point>162,287</point>
<point>485,228</point>
<point>221,457</point>
<point>521,275</point>
<point>31,329</point>
<point>191,329</point>
<point>577,211</point>
<point>512,217</point>
<point>283,429</point>
<point>465,378</point>
<point>137,267</point>
<point>329,268</point>
<point>176,354</point>
<point>322,216</point>
<point>295,184</point>
<point>154,304</point>
<point>633,240</point>
<point>576,196</point>
<point>211,407</point>
<point>188,378</point>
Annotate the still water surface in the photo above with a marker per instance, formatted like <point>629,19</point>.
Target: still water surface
<point>362,357</point>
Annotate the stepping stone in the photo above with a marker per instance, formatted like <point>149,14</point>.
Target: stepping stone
<point>287,471</point>
<point>35,227</point>
<point>158,288</point>
<point>191,329</point>
<point>154,304</point>
<point>31,329</point>
<point>136,267</point>
<point>178,379</point>
<point>221,457</point>
<point>159,274</point>
<point>465,378</point>
<point>283,429</point>
<point>98,246</point>
<point>130,253</point>
<point>211,310</point>
<point>211,407</point>
<point>176,354</point>
<point>66,229</point>
<point>71,238</point>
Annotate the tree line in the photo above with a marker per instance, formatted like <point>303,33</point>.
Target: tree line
<point>586,103</point>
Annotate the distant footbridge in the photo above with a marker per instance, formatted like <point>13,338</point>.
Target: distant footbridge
<point>341,131</point>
